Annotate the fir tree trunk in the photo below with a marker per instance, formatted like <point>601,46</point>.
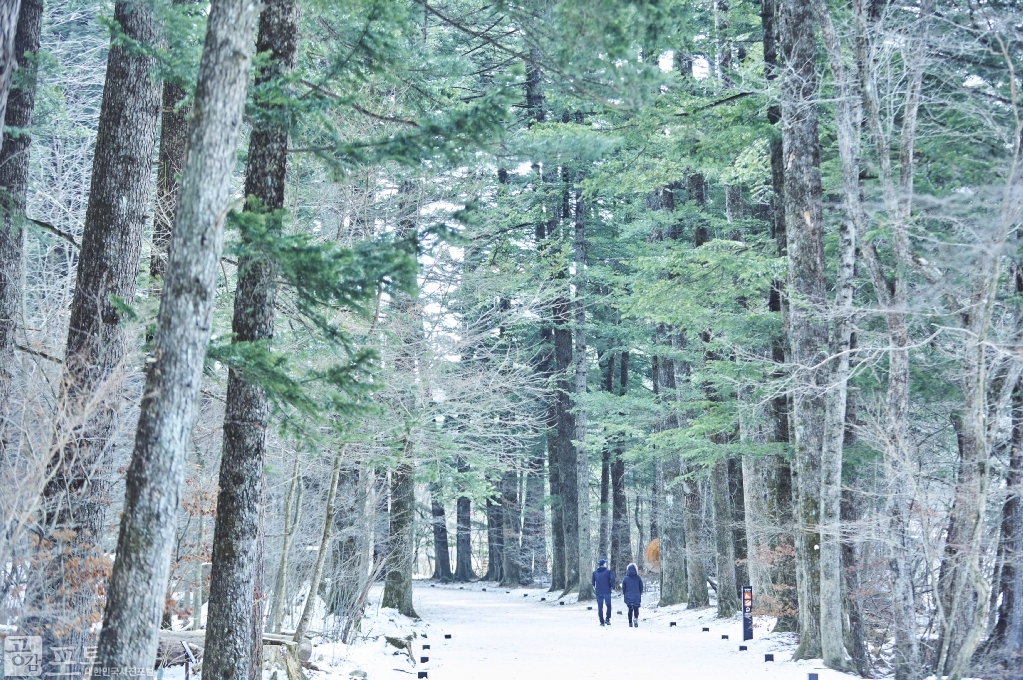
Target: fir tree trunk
<point>511,519</point>
<point>568,470</point>
<point>495,542</point>
<point>135,596</point>
<point>173,142</point>
<point>246,414</point>
<point>736,490</point>
<point>14,168</point>
<point>672,541</point>
<point>758,527</point>
<point>463,536</point>
<point>558,582</point>
<point>1007,637</point>
<point>9,56</point>
<point>728,590</point>
<point>442,554</point>
<point>695,575</point>
<point>534,524</point>
<point>76,495</point>
<point>807,330</point>
<point>291,506</point>
<point>621,540</point>
<point>604,531</point>
<point>321,555</point>
<point>400,547</point>
<point>579,337</point>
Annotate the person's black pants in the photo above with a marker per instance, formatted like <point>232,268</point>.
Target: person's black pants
<point>633,611</point>
<point>601,601</point>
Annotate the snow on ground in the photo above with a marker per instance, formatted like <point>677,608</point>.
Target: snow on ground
<point>507,633</point>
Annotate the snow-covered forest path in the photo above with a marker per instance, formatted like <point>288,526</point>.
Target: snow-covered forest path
<point>501,635</point>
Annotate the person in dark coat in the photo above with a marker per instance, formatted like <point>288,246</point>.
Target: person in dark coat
<point>632,590</point>
<point>603,583</point>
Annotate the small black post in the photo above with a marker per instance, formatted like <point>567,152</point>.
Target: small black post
<point>543,599</point>
<point>813,676</point>
<point>706,630</point>
<point>768,657</point>
<point>670,625</point>
<point>742,648</point>
<point>424,659</point>
<point>724,637</point>
<point>426,647</point>
<point>447,636</point>
<point>422,674</point>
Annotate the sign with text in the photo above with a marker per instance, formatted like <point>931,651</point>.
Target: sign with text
<point>747,612</point>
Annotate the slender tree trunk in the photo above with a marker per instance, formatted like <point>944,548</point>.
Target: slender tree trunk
<point>400,547</point>
<point>604,530</point>
<point>442,555</point>
<point>758,527</point>
<point>807,330</point>
<point>856,636</point>
<point>534,524</point>
<point>135,595</point>
<point>9,56</point>
<point>76,495</point>
<point>558,582</point>
<point>672,541</point>
<point>568,470</point>
<point>736,490</point>
<point>579,335</point>
<point>1008,632</point>
<point>173,142</point>
<point>463,534</point>
<point>728,589</point>
<point>511,520</point>
<point>495,542</point>
<point>291,503</point>
<point>695,574</point>
<point>847,121</point>
<point>321,555</point>
<point>14,167</point>
<point>246,414</point>
<point>621,540</point>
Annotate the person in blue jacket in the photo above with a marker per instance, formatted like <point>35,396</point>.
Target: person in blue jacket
<point>632,590</point>
<point>603,583</point>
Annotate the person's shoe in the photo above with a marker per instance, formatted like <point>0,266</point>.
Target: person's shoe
<point>636,625</point>
<point>602,623</point>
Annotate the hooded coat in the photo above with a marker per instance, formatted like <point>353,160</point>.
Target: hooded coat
<point>603,580</point>
<point>632,587</point>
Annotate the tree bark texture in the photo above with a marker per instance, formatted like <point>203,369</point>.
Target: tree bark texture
<point>579,340</point>
<point>1008,631</point>
<point>75,497</point>
<point>568,469</point>
<point>806,286</point>
<point>9,55</point>
<point>672,539</point>
<point>441,552</point>
<point>463,536</point>
<point>495,542</point>
<point>173,142</point>
<point>728,588</point>
<point>137,587</point>
<point>321,554</point>
<point>247,411</point>
<point>400,547</point>
<point>511,514</point>
<point>604,530</point>
<point>621,539</point>
<point>534,523</point>
<point>14,168</point>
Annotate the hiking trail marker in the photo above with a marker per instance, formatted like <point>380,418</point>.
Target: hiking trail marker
<point>747,613</point>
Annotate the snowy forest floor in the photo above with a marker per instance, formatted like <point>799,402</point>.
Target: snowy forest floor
<point>507,633</point>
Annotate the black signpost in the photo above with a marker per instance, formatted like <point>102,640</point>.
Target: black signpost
<point>747,613</point>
